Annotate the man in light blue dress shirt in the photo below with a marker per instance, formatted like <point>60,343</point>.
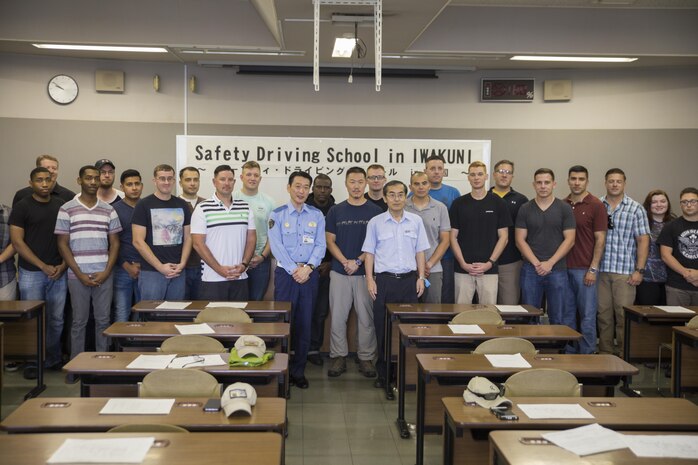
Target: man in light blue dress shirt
<point>395,264</point>
<point>297,240</point>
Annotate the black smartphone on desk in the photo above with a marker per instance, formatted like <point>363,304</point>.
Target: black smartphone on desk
<point>212,405</point>
<point>504,414</point>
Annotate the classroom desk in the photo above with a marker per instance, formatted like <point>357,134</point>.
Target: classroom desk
<point>513,448</point>
<point>446,375</point>
<point>81,414</point>
<point>467,425</point>
<point>683,366</point>
<point>260,311</point>
<point>429,338</point>
<point>104,374</point>
<point>435,313</point>
<point>23,310</point>
<point>169,448</point>
<point>135,335</point>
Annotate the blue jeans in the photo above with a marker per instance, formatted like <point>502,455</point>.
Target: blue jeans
<point>153,285</point>
<point>35,285</point>
<point>258,279</point>
<point>125,290</point>
<point>555,286</point>
<point>584,299</point>
<point>193,283</point>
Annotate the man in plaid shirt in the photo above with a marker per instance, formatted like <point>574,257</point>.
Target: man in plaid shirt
<point>8,273</point>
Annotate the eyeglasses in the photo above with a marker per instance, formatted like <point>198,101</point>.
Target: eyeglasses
<point>375,178</point>
<point>396,195</point>
<point>610,222</point>
<point>688,202</point>
<point>166,179</point>
<point>505,171</point>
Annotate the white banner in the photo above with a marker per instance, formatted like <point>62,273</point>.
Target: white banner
<point>280,156</point>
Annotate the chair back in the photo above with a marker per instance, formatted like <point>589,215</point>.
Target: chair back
<point>477,317</point>
<point>542,382</point>
<point>191,344</point>
<point>506,345</point>
<point>693,322</point>
<point>179,382</point>
<point>223,315</point>
<point>147,428</point>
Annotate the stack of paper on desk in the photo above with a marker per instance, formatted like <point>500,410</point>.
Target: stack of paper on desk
<point>201,328</point>
<point>587,440</point>
<point>151,362</point>
<point>173,305</point>
<point>466,329</point>
<point>130,406</point>
<point>511,309</point>
<point>118,450</point>
<point>674,309</point>
<point>226,304</point>
<point>507,361</point>
<point>554,411</point>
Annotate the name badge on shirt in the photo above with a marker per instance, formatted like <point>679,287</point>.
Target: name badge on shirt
<point>308,239</point>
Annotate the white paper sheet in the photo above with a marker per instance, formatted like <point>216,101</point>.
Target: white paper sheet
<point>202,328</point>
<point>196,361</point>
<point>173,305</point>
<point>507,361</point>
<point>129,406</point>
<point>587,440</point>
<point>511,309</point>
<point>674,309</point>
<point>554,411</point>
<point>118,450</point>
<point>151,362</point>
<point>466,329</point>
<point>675,446</point>
<point>226,304</point>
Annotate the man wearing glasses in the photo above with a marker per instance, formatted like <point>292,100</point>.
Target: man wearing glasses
<point>624,259</point>
<point>107,174</point>
<point>679,248</point>
<point>375,175</point>
<point>509,266</point>
<point>160,226</point>
<point>394,260</point>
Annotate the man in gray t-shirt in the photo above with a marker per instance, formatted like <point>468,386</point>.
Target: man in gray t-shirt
<point>545,233</point>
<point>434,215</point>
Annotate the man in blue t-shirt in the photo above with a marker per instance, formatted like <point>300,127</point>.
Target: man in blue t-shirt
<point>128,266</point>
<point>345,228</point>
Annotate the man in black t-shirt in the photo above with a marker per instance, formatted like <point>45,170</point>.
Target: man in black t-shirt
<point>41,269</point>
<point>678,243</point>
<point>51,163</point>
<point>160,226</point>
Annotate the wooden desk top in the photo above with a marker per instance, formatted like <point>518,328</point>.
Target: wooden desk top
<point>163,329</point>
<point>114,364</point>
<point>436,332</point>
<point>198,305</point>
<point>596,365</point>
<point>81,414</point>
<point>176,448</point>
<point>18,307</point>
<point>633,413</point>
<point>512,452</point>
<point>649,312</point>
<point>441,310</point>
<point>691,333</point>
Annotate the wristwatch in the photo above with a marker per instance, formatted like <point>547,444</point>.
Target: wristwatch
<point>593,270</point>
<point>492,261</point>
<point>358,262</point>
<point>311,266</point>
<point>640,270</point>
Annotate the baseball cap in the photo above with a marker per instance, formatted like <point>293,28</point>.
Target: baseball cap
<point>485,393</point>
<point>238,397</point>
<point>104,161</point>
<point>250,345</point>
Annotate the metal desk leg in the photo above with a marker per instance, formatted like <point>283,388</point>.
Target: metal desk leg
<point>626,349</point>
<point>40,330</point>
<point>448,441</point>
<point>388,356</point>
<point>402,363</point>
<point>421,405</point>
<point>676,367</point>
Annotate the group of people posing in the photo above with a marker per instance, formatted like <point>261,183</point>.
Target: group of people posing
<point>395,243</point>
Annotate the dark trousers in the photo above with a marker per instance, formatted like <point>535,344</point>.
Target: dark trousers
<point>302,298</point>
<point>390,290</point>
<point>320,312</point>
<point>225,291</point>
<point>649,293</point>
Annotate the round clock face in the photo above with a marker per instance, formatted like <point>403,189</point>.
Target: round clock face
<point>63,89</point>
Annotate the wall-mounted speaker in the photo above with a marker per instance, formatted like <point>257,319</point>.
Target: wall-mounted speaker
<point>557,91</point>
<point>109,81</point>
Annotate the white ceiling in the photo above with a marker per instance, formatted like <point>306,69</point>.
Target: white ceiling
<point>425,34</point>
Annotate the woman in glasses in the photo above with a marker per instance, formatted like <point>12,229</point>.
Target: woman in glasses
<point>651,291</point>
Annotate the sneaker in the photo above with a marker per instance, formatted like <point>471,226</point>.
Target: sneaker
<point>367,369</point>
<point>11,366</point>
<point>339,366</point>
<point>315,359</point>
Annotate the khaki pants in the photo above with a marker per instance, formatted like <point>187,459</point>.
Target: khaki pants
<point>485,285</point>
<point>509,285</point>
<point>675,296</point>
<point>614,293</point>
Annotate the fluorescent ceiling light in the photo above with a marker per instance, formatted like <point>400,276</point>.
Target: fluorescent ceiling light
<point>290,53</point>
<point>101,48</point>
<point>577,59</point>
<point>343,47</point>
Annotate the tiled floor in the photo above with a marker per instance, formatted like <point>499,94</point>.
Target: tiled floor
<point>337,421</point>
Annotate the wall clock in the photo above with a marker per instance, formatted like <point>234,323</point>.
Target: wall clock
<point>63,89</point>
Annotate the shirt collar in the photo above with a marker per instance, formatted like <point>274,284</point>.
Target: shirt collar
<point>292,208</point>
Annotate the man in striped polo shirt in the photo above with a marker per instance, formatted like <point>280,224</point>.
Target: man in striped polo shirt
<point>87,231</point>
<point>223,234</point>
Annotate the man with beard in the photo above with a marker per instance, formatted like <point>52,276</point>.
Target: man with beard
<point>107,174</point>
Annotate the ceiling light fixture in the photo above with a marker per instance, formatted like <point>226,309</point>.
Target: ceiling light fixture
<point>246,52</point>
<point>343,47</point>
<point>102,48</point>
<point>573,59</point>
